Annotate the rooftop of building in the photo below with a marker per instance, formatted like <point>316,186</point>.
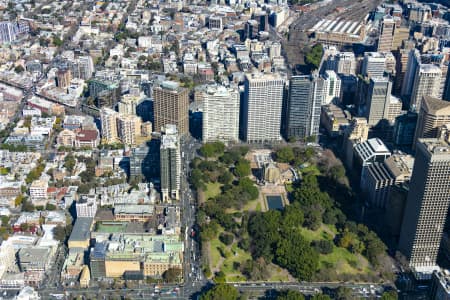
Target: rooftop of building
<point>33,254</point>
<point>436,146</point>
<point>133,209</point>
<point>435,105</point>
<point>81,229</point>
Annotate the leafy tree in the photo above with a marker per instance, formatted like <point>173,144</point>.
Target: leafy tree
<point>69,162</point>
<point>62,233</point>
<point>294,253</point>
<point>323,246</point>
<point>343,293</point>
<point>290,295</point>
<point>225,178</point>
<point>50,206</point>
<point>19,69</point>
<point>221,292</point>
<point>212,149</point>
<point>389,295</point>
<point>242,168</point>
<point>19,200</point>
<point>27,206</point>
<point>226,238</point>
<point>284,155</point>
<point>313,57</point>
<point>263,230</point>
<point>172,275</point>
<point>57,41</point>
<point>320,297</point>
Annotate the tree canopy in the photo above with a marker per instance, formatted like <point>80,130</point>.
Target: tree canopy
<point>221,291</point>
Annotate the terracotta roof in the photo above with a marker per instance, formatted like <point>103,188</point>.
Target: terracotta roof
<point>87,135</point>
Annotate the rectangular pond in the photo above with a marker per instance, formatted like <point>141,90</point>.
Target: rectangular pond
<point>275,202</point>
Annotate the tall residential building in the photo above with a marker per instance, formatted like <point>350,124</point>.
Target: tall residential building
<point>261,108</point>
<point>427,81</point>
<point>128,104</point>
<point>220,114</point>
<point>128,128</point>
<point>332,87</point>
<point>170,164</point>
<point>377,103</point>
<point>433,114</point>
<point>410,73</point>
<point>306,95</point>
<point>386,36</point>
<point>8,32</point>
<point>108,119</point>
<point>426,207</point>
<point>63,78</point>
<point>171,106</point>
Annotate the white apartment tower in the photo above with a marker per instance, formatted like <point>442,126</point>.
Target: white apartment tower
<point>262,105</point>
<point>220,114</point>
<point>427,81</point>
<point>332,87</point>
<point>128,128</point>
<point>108,118</point>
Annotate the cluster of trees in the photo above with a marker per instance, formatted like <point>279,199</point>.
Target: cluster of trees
<point>293,155</point>
<point>35,173</point>
<point>221,292</point>
<point>313,57</point>
<point>212,149</point>
<point>147,62</point>
<point>13,148</point>
<point>70,162</point>
<point>274,238</point>
<point>62,233</point>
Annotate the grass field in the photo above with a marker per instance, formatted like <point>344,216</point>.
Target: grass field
<point>212,190</point>
<point>233,254</point>
<point>341,259</point>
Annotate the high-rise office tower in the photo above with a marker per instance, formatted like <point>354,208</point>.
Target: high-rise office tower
<point>332,87</point>
<point>306,95</point>
<point>171,106</point>
<point>433,114</point>
<point>108,119</point>
<point>220,114</point>
<point>373,65</point>
<point>427,81</point>
<point>346,63</point>
<point>426,206</point>
<point>128,128</point>
<point>261,108</point>
<point>377,103</point>
<point>410,73</point>
<point>401,64</point>
<point>386,36</point>
<point>170,164</point>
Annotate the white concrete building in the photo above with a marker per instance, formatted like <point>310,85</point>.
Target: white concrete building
<point>220,114</point>
<point>261,111</point>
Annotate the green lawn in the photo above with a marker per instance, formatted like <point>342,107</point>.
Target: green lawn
<point>212,190</point>
<point>233,253</point>
<point>342,260</point>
